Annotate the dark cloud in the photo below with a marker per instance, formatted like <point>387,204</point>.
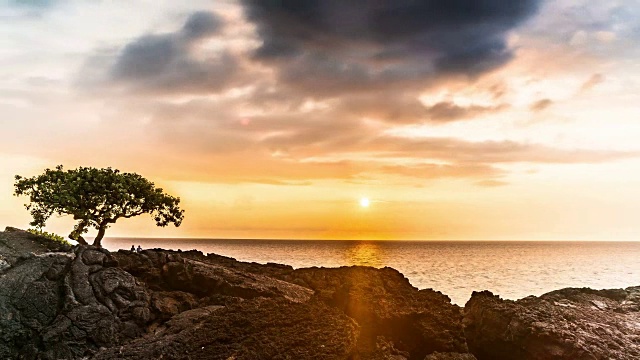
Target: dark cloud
<point>166,62</point>
<point>369,42</point>
<point>201,24</point>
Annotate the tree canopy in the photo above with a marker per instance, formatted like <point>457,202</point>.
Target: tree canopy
<point>96,198</point>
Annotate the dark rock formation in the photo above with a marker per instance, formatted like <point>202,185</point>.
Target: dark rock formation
<point>171,271</point>
<point>396,319</point>
<point>66,306</point>
<point>383,302</point>
<point>255,329</point>
<point>564,324</point>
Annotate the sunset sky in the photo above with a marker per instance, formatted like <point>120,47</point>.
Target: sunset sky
<point>457,119</point>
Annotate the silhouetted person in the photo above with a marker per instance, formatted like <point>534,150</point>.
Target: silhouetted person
<point>133,248</point>
<point>139,249</point>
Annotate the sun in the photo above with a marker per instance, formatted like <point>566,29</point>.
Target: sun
<point>364,202</point>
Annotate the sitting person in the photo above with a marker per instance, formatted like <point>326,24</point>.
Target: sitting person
<point>139,249</point>
<point>133,248</point>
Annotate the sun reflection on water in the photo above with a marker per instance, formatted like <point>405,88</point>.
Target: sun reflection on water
<point>365,254</point>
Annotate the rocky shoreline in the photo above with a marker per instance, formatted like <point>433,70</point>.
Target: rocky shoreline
<point>88,303</point>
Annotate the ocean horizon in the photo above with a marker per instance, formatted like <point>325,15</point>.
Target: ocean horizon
<point>511,269</point>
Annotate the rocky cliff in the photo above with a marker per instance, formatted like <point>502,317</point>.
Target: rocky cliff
<point>565,324</point>
<point>87,303</point>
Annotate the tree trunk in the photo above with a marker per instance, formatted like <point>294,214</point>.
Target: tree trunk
<point>80,239</point>
<point>98,240</point>
<point>76,234</point>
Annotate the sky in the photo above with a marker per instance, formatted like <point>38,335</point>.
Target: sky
<point>457,119</point>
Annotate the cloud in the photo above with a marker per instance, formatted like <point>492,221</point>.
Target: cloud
<point>368,160</point>
<point>434,171</point>
<point>541,105</point>
<point>408,109</point>
<point>318,95</point>
<point>170,63</point>
<point>491,183</point>
<point>488,152</point>
<point>338,43</point>
<point>294,146</point>
<point>592,82</point>
<point>33,3</point>
<point>447,111</point>
<point>201,24</point>
<point>336,131</point>
<point>393,108</point>
<point>12,10</point>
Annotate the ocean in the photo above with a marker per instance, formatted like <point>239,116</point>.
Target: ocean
<point>511,269</point>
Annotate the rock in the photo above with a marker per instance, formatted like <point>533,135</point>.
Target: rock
<point>450,356</point>
<point>56,306</point>
<point>278,271</point>
<point>198,277</point>
<point>170,271</point>
<point>3,263</point>
<point>384,350</point>
<point>397,320</point>
<point>255,329</point>
<point>170,303</point>
<point>16,243</point>
<point>564,324</point>
<point>383,302</point>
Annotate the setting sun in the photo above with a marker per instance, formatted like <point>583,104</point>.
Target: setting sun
<point>364,202</point>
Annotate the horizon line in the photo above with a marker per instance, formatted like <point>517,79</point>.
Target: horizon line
<point>356,240</point>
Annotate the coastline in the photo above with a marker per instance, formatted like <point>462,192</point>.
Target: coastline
<point>90,303</point>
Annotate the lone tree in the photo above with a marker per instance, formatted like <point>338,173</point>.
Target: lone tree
<point>96,198</point>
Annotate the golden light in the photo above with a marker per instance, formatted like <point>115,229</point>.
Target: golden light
<point>364,202</point>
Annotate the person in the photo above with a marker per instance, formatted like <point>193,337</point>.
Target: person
<point>133,248</point>
<point>139,248</point>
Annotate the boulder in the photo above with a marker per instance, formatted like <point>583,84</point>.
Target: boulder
<point>565,324</point>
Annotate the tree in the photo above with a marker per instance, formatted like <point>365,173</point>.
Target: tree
<point>96,198</point>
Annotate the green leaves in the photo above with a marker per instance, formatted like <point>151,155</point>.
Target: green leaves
<point>96,198</point>
<point>51,236</point>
